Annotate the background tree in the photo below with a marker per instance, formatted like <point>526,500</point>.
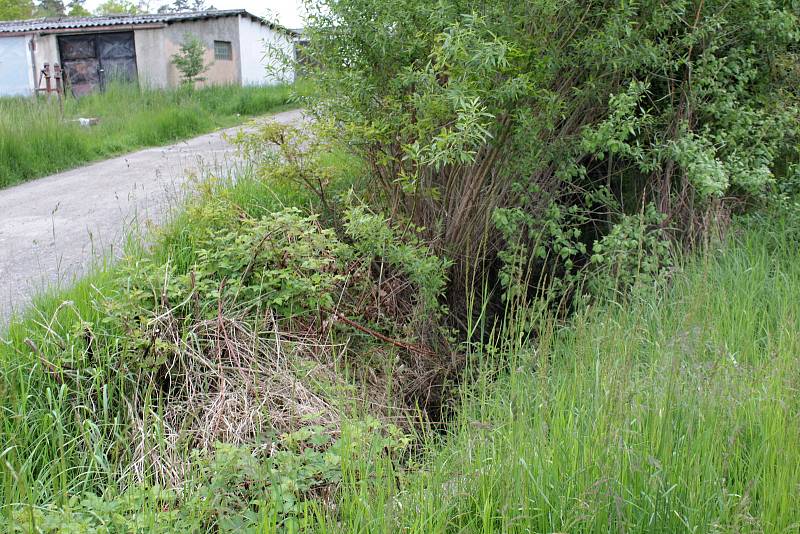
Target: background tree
<point>180,6</point>
<point>190,60</point>
<point>75,8</point>
<point>16,9</point>
<point>119,7</point>
<point>50,8</point>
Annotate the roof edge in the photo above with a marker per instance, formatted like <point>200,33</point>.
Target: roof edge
<point>266,22</point>
<point>52,24</point>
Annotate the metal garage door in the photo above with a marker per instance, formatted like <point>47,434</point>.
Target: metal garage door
<point>15,69</point>
<point>91,61</point>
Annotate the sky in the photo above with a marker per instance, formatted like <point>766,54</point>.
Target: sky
<point>288,12</point>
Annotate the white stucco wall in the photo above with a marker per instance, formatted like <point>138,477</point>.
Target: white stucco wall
<point>16,70</point>
<point>261,50</point>
<point>46,47</point>
<point>20,76</point>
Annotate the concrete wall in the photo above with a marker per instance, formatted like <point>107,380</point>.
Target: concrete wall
<point>152,63</point>
<point>45,51</point>
<point>16,69</point>
<point>220,29</point>
<point>46,47</point>
<point>264,52</point>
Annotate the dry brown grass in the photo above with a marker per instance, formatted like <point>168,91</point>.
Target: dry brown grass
<point>239,380</point>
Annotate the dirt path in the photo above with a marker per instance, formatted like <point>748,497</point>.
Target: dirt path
<point>54,228</point>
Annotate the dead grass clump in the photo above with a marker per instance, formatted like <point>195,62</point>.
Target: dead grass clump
<point>237,380</point>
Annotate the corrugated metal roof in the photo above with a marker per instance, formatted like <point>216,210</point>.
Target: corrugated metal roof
<point>78,23</point>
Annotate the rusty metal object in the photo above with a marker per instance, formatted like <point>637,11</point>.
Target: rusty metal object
<point>53,83</point>
<point>53,80</point>
<point>94,60</point>
<point>58,74</point>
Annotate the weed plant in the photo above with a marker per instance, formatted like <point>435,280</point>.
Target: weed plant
<point>80,423</point>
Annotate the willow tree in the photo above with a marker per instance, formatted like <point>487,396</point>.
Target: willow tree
<point>546,136</point>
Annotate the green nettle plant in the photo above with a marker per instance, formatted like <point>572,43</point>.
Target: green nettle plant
<point>592,109</point>
<point>236,488</point>
<point>190,60</point>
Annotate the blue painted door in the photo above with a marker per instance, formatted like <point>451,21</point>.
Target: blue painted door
<point>15,70</point>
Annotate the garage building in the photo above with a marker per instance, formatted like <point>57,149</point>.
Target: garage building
<point>240,47</point>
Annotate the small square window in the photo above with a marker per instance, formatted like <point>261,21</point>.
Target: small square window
<point>223,50</point>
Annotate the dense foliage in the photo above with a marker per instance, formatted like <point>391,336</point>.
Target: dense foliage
<point>561,116</point>
<point>243,323</point>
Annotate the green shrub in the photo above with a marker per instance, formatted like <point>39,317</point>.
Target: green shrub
<point>571,112</point>
<point>635,252</point>
<point>236,292</point>
<point>284,262</point>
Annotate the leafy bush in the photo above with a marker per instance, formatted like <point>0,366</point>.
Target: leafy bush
<point>262,310</point>
<point>190,60</point>
<point>591,110</point>
<point>285,262</point>
<point>634,252</point>
<point>240,320</point>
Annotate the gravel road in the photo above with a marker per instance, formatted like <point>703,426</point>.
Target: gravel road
<point>55,228</point>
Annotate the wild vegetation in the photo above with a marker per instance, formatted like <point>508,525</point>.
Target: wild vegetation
<point>530,269</point>
<point>37,140</point>
<point>671,411</point>
<point>190,60</point>
<point>675,412</point>
<point>525,132</point>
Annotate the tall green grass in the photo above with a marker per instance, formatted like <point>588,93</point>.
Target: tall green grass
<point>675,412</point>
<point>35,140</point>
